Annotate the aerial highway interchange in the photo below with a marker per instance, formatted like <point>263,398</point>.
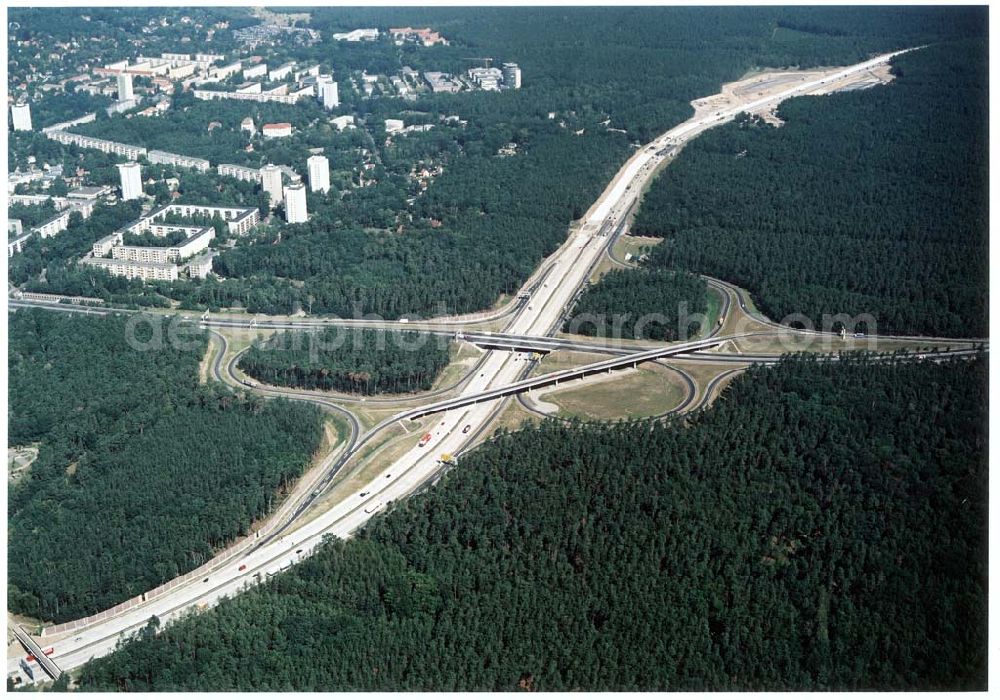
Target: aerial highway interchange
<point>459,415</point>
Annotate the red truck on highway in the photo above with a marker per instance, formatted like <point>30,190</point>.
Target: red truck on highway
<point>47,652</point>
<point>424,440</point>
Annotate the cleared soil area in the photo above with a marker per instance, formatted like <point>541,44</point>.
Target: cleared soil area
<point>772,82</point>
<point>19,460</point>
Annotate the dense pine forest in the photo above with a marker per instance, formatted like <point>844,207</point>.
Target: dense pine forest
<point>141,472</point>
<point>822,526</point>
<point>359,361</point>
<point>868,202</point>
<point>638,305</point>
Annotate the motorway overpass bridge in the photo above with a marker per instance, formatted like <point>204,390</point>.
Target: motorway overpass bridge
<point>31,646</point>
<point>687,351</point>
<point>516,343</point>
<point>630,360</point>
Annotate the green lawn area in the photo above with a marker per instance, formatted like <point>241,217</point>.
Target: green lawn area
<point>650,391</point>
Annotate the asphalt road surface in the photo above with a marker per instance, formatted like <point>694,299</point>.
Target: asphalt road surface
<point>556,285</point>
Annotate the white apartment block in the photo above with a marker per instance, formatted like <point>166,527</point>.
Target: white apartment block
<point>255,71</point>
<point>295,204</point>
<point>62,126</point>
<point>20,114</point>
<point>32,200</point>
<point>289,99</point>
<point>277,130</point>
<point>271,180</point>
<point>143,254</point>
<point>357,35</point>
<point>103,246</point>
<point>16,245</point>
<point>125,87</point>
<point>304,72</point>
<point>202,61</point>
<point>122,106</point>
<point>160,263</point>
<point>86,207</point>
<point>130,269</point>
<point>486,78</point>
<point>131,178</point>
<point>319,173</point>
<point>121,149</point>
<point>511,75</point>
<point>193,244</point>
<point>223,72</point>
<point>281,72</point>
<point>165,158</point>
<point>181,72</point>
<point>327,93</point>
<point>292,176</point>
<point>343,122</point>
<point>240,172</point>
<point>239,220</point>
<point>59,222</point>
<point>198,268</point>
<point>207,59</point>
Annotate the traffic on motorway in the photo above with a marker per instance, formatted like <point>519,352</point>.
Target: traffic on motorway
<point>458,421</point>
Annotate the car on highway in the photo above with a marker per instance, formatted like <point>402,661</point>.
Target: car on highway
<point>466,429</point>
<point>243,567</point>
<point>204,580</point>
<point>363,494</point>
